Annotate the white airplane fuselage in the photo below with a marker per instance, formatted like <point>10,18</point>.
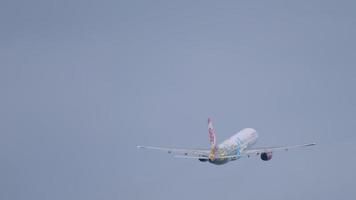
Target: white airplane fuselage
<point>233,146</point>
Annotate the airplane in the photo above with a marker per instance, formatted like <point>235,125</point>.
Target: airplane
<point>237,146</point>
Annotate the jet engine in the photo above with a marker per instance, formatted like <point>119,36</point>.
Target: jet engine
<point>203,159</point>
<point>266,156</point>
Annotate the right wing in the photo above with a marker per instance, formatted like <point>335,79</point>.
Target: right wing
<point>258,151</point>
<point>185,153</point>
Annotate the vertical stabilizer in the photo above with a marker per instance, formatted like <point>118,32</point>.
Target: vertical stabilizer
<point>212,139</point>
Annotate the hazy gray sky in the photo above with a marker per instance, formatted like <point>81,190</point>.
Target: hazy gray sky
<point>83,82</point>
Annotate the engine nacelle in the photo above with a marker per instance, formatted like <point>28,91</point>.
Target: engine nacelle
<point>203,159</point>
<point>266,156</point>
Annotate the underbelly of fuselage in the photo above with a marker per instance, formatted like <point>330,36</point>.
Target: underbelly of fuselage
<point>220,161</point>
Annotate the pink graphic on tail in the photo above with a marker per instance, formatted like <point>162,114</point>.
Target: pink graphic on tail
<point>211,130</point>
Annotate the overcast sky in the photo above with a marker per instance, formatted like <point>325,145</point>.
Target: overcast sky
<point>83,82</point>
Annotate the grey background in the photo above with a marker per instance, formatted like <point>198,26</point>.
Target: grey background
<point>83,82</point>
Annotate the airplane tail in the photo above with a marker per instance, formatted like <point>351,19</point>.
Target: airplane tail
<point>212,139</point>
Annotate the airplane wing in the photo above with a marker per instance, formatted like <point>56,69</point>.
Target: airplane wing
<point>258,151</point>
<point>188,153</point>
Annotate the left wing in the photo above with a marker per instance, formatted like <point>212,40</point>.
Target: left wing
<point>196,153</point>
<point>258,151</point>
